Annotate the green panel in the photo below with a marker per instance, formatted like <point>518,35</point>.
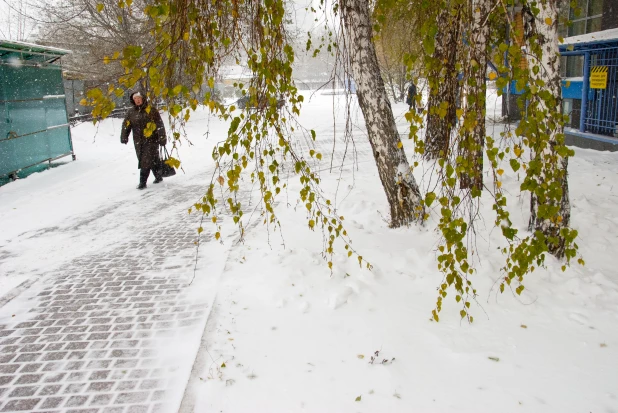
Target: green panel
<point>4,122</point>
<point>58,141</point>
<point>55,112</point>
<point>30,82</point>
<point>22,152</point>
<point>27,117</point>
<point>33,115</point>
<point>8,160</point>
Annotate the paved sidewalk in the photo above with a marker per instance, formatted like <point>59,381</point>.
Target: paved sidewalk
<point>99,335</point>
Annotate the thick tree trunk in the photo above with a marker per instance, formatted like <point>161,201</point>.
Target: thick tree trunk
<point>473,142</point>
<point>443,85</point>
<point>537,30</point>
<point>402,191</point>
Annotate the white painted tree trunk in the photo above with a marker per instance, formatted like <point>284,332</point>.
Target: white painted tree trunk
<point>537,30</point>
<point>401,189</point>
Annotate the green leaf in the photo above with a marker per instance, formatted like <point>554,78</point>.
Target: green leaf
<point>358,399</point>
<point>100,7</point>
<point>234,125</point>
<point>496,359</point>
<point>429,198</point>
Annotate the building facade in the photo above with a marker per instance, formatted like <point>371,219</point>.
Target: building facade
<point>589,67</point>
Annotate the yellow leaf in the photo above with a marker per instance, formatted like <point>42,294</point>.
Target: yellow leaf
<point>100,7</point>
<point>218,235</point>
<point>459,112</point>
<point>200,230</point>
<point>399,144</point>
<point>185,36</point>
<point>492,75</point>
<point>548,21</point>
<point>500,171</point>
<point>221,180</point>
<point>499,184</point>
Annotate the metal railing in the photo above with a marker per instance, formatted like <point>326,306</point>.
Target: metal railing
<point>602,107</point>
<point>87,117</point>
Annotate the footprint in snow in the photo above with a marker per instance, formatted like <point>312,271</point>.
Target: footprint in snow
<point>579,318</point>
<point>303,307</point>
<point>337,300</point>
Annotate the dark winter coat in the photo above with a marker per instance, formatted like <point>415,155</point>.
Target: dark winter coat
<point>411,94</point>
<point>146,148</point>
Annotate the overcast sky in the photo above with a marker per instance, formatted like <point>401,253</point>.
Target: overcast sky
<point>14,23</point>
<point>16,12</point>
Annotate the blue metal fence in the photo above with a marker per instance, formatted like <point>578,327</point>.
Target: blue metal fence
<point>599,100</point>
<point>601,115</point>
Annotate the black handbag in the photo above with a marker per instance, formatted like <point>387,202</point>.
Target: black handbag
<point>166,169</point>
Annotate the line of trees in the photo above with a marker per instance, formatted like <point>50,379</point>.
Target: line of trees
<point>448,42</point>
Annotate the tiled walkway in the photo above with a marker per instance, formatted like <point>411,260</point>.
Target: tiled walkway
<point>92,337</point>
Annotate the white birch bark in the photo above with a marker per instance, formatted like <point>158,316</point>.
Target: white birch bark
<point>443,83</point>
<point>401,189</point>
<point>476,87</point>
<point>542,29</point>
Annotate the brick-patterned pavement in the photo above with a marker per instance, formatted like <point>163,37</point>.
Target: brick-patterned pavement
<point>98,334</point>
<point>94,336</point>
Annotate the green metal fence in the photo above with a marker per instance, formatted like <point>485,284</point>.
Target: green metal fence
<point>33,120</point>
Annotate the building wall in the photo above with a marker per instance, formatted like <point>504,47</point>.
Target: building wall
<point>610,15</point>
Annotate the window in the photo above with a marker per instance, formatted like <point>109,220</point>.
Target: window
<point>585,17</point>
<point>572,66</point>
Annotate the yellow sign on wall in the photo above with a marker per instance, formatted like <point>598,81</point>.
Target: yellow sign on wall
<point>598,77</point>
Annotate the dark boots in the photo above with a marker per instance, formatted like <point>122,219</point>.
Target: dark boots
<point>143,177</point>
<point>144,173</point>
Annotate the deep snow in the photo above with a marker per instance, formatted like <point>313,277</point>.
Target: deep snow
<point>293,337</point>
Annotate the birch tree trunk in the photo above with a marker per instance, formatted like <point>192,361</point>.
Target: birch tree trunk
<point>443,85</point>
<point>541,34</point>
<point>474,139</point>
<point>402,191</point>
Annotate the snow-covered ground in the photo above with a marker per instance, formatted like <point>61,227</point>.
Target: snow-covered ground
<point>284,335</point>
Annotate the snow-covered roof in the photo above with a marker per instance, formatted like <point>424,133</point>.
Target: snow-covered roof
<point>12,51</point>
<point>591,38</point>
<point>31,47</point>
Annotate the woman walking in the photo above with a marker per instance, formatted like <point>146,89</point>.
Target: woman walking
<point>148,134</point>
